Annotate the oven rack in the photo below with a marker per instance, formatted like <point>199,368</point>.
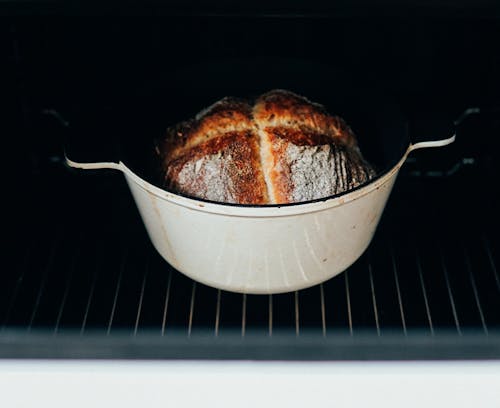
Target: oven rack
<point>87,282</point>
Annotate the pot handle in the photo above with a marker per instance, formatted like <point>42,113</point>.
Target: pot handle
<point>85,148</point>
<point>438,127</point>
<point>92,166</point>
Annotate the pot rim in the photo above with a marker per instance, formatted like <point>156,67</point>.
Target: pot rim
<point>258,211</point>
<point>262,211</point>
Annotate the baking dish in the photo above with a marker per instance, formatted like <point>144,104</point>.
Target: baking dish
<point>261,249</point>
<point>274,248</point>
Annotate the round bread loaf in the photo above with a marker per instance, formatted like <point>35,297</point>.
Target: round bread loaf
<point>281,149</point>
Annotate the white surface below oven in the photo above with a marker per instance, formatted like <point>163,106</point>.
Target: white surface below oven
<point>85,383</point>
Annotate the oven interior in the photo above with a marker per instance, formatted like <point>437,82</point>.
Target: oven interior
<point>80,276</point>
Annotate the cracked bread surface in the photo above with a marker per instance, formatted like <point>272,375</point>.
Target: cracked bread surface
<point>282,148</point>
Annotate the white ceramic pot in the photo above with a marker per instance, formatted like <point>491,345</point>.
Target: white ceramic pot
<point>261,249</point>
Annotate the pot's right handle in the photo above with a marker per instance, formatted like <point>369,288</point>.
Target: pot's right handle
<point>90,145</point>
<point>437,127</point>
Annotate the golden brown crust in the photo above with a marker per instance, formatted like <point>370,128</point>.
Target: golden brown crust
<point>226,115</point>
<point>239,163</point>
<point>279,169</point>
<point>283,148</point>
<point>299,137</point>
<point>246,172</point>
<point>287,109</point>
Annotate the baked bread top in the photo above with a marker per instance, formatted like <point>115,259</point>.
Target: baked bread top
<point>283,148</point>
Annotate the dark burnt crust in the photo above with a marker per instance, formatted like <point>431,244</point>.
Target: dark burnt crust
<point>175,138</point>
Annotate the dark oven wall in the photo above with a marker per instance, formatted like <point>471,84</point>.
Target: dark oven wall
<point>84,58</point>
<point>437,59</point>
<point>429,62</point>
<point>78,256</point>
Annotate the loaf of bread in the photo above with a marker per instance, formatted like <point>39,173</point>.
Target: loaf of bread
<point>282,148</point>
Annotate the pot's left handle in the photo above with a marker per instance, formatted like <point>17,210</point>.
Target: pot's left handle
<point>88,146</point>
<point>92,165</point>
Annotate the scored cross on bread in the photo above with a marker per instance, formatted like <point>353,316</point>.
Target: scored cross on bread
<point>282,149</point>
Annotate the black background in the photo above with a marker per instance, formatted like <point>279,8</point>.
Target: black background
<point>81,57</point>
<point>71,232</point>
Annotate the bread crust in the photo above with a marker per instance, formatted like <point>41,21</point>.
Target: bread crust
<point>287,110</point>
<point>225,168</point>
<point>227,115</point>
<point>282,148</point>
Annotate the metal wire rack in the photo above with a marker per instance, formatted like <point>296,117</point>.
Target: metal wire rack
<point>81,276</point>
<point>97,272</point>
